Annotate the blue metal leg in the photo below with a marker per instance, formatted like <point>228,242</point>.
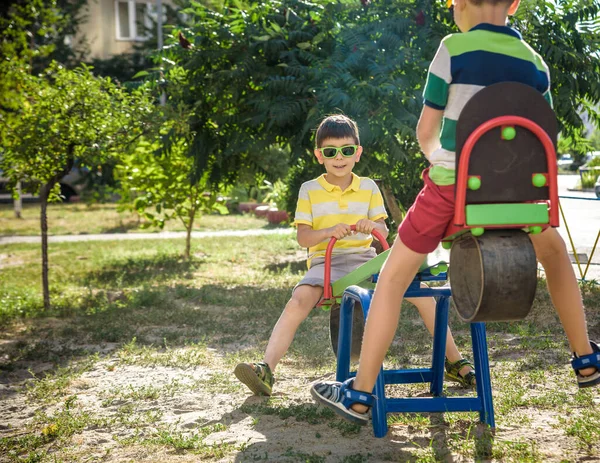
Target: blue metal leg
<point>379,411</point>
<point>482,373</point>
<point>439,345</point>
<point>345,338</point>
<point>349,299</point>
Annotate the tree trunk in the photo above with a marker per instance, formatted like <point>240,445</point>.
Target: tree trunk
<point>18,202</point>
<point>392,204</point>
<point>188,242</point>
<point>188,237</point>
<point>44,192</point>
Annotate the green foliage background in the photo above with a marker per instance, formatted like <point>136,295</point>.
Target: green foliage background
<point>261,73</point>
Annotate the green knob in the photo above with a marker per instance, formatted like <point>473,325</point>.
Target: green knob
<point>435,271</point>
<point>509,132</point>
<point>474,183</point>
<point>443,267</point>
<point>477,231</point>
<point>535,230</point>
<point>446,244</point>
<point>538,180</point>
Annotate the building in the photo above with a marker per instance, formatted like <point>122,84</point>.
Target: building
<point>113,26</point>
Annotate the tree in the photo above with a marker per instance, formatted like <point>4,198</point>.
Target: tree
<point>34,32</point>
<point>38,32</point>
<point>157,185</point>
<point>374,72</point>
<point>595,140</point>
<point>566,33</point>
<point>264,73</point>
<point>69,115</point>
<point>268,74</point>
<point>229,61</point>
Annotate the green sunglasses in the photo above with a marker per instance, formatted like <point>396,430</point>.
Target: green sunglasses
<point>330,152</point>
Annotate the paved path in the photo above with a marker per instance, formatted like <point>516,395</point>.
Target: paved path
<point>142,236</point>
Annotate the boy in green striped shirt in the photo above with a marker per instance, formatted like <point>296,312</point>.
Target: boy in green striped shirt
<point>486,52</point>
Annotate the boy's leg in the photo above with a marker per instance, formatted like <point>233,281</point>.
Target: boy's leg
<point>551,252</point>
<point>396,275</point>
<point>303,300</point>
<point>426,307</point>
<point>259,376</point>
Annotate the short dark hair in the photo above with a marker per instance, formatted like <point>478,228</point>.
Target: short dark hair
<point>336,126</point>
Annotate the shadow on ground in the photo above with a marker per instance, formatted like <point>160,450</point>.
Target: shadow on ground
<point>131,272</point>
<point>122,228</point>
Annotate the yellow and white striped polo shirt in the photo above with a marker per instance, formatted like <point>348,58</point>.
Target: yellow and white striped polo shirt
<point>323,205</point>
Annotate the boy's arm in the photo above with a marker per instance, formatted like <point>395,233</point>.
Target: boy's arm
<point>428,129</point>
<point>435,98</point>
<point>307,237</point>
<point>381,227</point>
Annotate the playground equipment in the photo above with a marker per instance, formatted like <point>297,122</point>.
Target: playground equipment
<point>346,329</point>
<point>506,187</point>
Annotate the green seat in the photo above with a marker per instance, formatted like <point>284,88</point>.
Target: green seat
<point>362,275</point>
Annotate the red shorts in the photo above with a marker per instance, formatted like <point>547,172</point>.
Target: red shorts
<point>427,220</point>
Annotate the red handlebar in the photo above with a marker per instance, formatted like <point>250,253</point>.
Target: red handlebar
<point>327,291</point>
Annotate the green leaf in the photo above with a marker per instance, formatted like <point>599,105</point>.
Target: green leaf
<point>221,209</point>
<point>141,74</point>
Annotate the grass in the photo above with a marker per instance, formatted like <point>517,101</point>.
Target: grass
<point>134,363</point>
<point>180,442</point>
<point>53,386</point>
<point>82,219</point>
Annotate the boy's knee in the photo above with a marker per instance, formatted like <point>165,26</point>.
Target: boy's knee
<point>299,305</point>
<point>551,248</point>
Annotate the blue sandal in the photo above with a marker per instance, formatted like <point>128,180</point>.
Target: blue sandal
<point>339,397</point>
<point>587,361</point>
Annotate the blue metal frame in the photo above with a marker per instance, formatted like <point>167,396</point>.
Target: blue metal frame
<point>434,375</point>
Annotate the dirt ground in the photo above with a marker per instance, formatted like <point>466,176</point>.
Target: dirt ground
<point>135,410</point>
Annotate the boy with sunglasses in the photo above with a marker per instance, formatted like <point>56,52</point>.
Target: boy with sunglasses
<point>486,52</point>
<point>327,207</point>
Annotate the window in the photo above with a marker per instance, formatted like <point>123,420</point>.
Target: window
<point>123,21</point>
<point>133,19</point>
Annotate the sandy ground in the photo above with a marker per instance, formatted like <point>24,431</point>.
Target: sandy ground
<point>194,398</point>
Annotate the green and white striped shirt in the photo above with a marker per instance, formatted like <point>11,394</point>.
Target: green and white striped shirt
<point>464,64</point>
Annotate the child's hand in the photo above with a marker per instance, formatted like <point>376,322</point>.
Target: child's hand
<point>340,231</point>
<point>365,226</point>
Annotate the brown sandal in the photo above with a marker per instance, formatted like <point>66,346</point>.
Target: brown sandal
<point>453,373</point>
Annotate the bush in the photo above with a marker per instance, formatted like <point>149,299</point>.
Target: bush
<point>595,162</point>
<point>588,179</point>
